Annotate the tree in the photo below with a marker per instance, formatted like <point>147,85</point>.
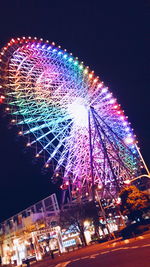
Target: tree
<point>75,216</point>
<point>133,202</point>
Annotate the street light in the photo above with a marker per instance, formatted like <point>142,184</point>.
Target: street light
<point>146,168</point>
<point>127,182</point>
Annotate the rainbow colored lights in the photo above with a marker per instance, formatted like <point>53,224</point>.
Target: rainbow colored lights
<point>58,103</point>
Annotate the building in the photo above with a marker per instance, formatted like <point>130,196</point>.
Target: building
<point>31,233</point>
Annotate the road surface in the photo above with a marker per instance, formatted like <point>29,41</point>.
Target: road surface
<point>134,252</point>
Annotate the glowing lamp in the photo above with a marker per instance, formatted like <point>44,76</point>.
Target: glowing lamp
<point>28,144</point>
<point>90,76</point>
<point>86,223</point>
<point>127,182</point>
<point>112,101</point>
<point>104,90</point>
<point>95,80</point>
<point>129,140</point>
<point>127,129</point>
<point>46,165</point>
<point>81,67</point>
<point>108,95</point>
<point>116,106</point>
<point>122,118</point>
<point>85,71</point>
<point>99,186</point>
<point>100,85</point>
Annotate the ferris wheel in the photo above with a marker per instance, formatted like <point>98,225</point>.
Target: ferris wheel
<point>69,116</point>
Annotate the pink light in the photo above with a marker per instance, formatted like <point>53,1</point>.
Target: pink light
<point>112,101</point>
<point>122,118</point>
<point>28,144</point>
<point>116,106</point>
<point>46,165</point>
<point>108,95</point>
<point>100,85</point>
<point>104,90</point>
<point>127,129</point>
<point>95,80</point>
<point>129,140</point>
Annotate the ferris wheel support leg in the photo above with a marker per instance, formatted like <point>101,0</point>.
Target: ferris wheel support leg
<point>91,157</point>
<point>97,126</point>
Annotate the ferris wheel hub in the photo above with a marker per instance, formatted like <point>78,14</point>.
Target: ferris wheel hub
<point>78,111</point>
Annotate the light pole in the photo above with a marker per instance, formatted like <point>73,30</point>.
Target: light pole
<point>136,178</point>
<point>146,168</point>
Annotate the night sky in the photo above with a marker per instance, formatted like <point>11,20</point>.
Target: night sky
<point>112,37</point>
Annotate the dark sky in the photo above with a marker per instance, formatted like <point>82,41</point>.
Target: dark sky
<point>112,37</point>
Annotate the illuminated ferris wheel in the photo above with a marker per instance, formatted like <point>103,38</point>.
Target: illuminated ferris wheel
<point>69,115</point>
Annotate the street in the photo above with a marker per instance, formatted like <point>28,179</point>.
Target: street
<point>134,252</point>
